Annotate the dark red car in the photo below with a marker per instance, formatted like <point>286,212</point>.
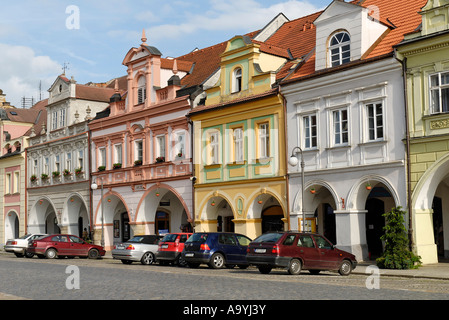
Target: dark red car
<point>170,248</point>
<point>64,245</point>
<point>296,251</point>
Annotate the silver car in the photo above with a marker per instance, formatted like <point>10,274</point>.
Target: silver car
<point>141,248</point>
<point>19,246</point>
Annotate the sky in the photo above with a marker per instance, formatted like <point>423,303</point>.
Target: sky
<point>91,38</point>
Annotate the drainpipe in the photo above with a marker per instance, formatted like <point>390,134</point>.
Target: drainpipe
<point>407,147</point>
<point>286,153</point>
<point>26,191</point>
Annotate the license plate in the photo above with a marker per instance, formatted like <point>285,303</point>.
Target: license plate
<point>164,246</point>
<point>120,246</point>
<point>189,254</point>
<point>260,250</point>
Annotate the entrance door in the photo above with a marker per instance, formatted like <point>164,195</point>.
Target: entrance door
<point>374,226</point>
<point>272,219</point>
<point>162,222</point>
<point>125,227</point>
<point>437,207</point>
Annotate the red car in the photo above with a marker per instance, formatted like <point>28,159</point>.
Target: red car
<point>170,248</point>
<point>64,245</point>
<point>296,251</point>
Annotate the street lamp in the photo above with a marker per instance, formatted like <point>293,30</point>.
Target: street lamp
<point>293,161</point>
<point>94,186</point>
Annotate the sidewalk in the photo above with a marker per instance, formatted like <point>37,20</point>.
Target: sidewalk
<point>438,271</point>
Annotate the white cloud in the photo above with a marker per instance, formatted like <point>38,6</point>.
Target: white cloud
<point>239,15</point>
<point>22,70</point>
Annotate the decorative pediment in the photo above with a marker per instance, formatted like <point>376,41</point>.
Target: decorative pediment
<point>435,16</point>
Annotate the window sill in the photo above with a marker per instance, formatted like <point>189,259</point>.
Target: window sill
<point>373,142</point>
<point>343,146</point>
<point>212,166</point>
<point>236,163</point>
<point>263,160</point>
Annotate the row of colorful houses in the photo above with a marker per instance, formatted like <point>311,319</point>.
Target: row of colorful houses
<point>356,93</point>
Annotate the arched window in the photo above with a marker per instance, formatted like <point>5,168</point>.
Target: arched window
<point>340,48</point>
<point>237,80</point>
<point>141,90</point>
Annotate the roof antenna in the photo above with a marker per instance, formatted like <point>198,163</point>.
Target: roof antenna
<point>65,67</point>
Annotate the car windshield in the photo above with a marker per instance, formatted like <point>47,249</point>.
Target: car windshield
<point>25,236</point>
<point>169,238</point>
<point>198,237</point>
<point>269,237</point>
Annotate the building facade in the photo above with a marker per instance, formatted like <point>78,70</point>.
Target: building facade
<point>58,166</point>
<point>141,152</point>
<point>345,111</point>
<point>15,128</point>
<point>424,54</point>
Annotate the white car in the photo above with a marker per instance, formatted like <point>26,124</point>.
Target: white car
<point>141,248</point>
<point>19,246</point>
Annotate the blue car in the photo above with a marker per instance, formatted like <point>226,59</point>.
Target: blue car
<point>216,249</point>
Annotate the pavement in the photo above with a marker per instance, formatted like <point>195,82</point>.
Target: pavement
<point>438,271</point>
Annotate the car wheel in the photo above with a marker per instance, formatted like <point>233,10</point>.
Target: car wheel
<point>217,261</point>
<point>180,261</point>
<point>345,268</point>
<point>29,254</point>
<point>264,269</point>
<point>147,258</point>
<point>93,254</point>
<point>294,267</point>
<point>51,253</point>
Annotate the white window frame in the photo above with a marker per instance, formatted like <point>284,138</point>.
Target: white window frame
<point>57,163</point>
<point>35,167</point>
<point>118,153</point>
<point>68,161</point>
<point>338,50</point>
<point>438,88</point>
<point>8,182</point>
<point>338,130</point>
<point>102,156</point>
<point>214,147</point>
<point>238,144</point>
<point>62,116</point>
<point>310,131</point>
<point>46,166</point>
<point>263,139</point>
<point>180,146</point>
<point>141,90</point>
<point>237,75</point>
<point>54,120</point>
<point>80,159</point>
<point>138,150</point>
<point>372,119</point>
<point>16,182</point>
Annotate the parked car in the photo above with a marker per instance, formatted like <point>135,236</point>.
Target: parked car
<point>297,251</point>
<point>170,248</point>
<point>216,249</point>
<point>141,248</point>
<point>19,246</point>
<point>64,245</point>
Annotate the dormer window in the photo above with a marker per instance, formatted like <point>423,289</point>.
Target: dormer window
<point>237,80</point>
<point>340,48</point>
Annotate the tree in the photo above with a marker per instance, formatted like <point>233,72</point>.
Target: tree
<point>397,254</point>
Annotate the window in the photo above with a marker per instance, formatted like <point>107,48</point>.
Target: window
<point>214,156</point>
<point>57,163</point>
<point>264,140</point>
<point>439,93</point>
<point>138,147</point>
<point>340,49</point>
<point>118,153</point>
<point>238,145</point>
<point>310,131</point>
<point>54,120</point>
<point>35,167</point>
<point>305,241</point>
<point>141,90</point>
<point>160,152</point>
<point>375,121</point>
<point>322,243</point>
<point>46,166</point>
<point>340,122</point>
<point>8,183</point>
<point>102,156</point>
<point>80,159</point>
<point>62,114</point>
<point>180,145</point>
<point>237,80</point>
<point>16,182</point>
<point>68,162</point>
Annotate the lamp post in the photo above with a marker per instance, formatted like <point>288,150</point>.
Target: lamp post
<point>293,161</point>
<point>94,186</point>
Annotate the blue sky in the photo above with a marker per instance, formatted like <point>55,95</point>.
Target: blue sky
<point>38,36</point>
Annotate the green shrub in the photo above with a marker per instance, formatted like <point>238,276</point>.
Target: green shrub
<point>397,254</point>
